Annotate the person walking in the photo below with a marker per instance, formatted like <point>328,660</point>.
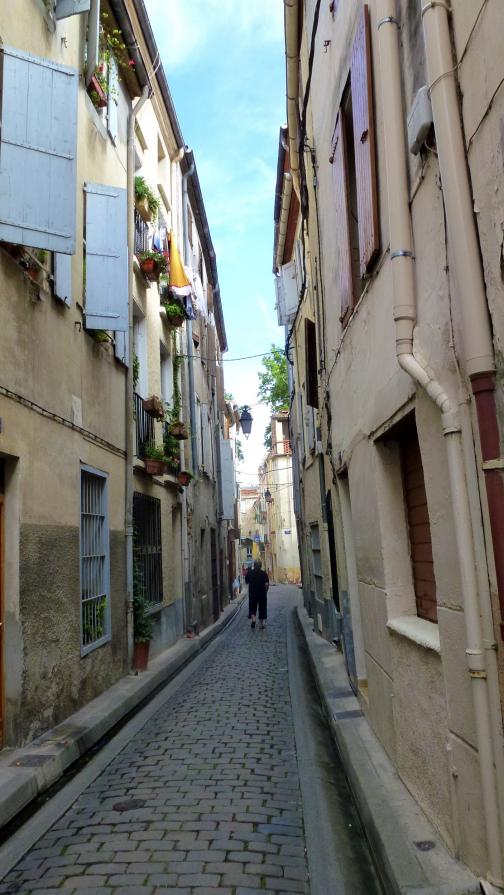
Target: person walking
<point>258,584</point>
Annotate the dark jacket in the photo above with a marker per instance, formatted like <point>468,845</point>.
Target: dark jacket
<point>257,581</point>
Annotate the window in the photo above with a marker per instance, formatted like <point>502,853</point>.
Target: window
<point>311,364</point>
<point>147,546</point>
<point>94,560</point>
<point>417,515</point>
<point>316,561</point>
<point>354,174</point>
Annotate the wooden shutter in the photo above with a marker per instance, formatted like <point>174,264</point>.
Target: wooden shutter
<point>93,40</point>
<point>311,364</point>
<point>113,99</point>
<point>211,350</point>
<point>121,347</point>
<point>106,258</point>
<point>227,479</point>
<point>63,278</point>
<point>38,152</point>
<point>340,181</point>
<point>361,78</point>
<point>418,526</point>
<point>66,8</point>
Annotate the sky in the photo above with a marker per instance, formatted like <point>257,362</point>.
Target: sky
<point>224,61</point>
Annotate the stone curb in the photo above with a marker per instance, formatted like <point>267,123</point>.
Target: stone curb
<point>26,772</point>
<point>395,825</point>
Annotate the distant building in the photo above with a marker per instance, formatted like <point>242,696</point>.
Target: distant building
<point>275,477</point>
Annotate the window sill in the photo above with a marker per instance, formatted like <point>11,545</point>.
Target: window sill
<point>418,630</point>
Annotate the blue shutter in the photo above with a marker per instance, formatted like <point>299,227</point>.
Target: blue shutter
<point>113,98</point>
<point>121,347</point>
<point>38,152</point>
<point>66,8</point>
<point>63,278</point>
<point>93,40</point>
<point>106,258</point>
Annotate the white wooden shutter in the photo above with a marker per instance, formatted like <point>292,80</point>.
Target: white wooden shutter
<point>66,8</point>
<point>106,258</point>
<point>301,426</point>
<point>280,300</point>
<point>310,428</point>
<point>205,439</point>
<point>38,152</point>
<point>63,277</point>
<point>227,482</point>
<point>290,290</point>
<point>93,40</point>
<point>121,347</point>
<point>113,99</point>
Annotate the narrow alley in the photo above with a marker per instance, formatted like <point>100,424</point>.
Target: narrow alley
<point>215,793</point>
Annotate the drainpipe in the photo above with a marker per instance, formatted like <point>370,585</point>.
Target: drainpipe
<point>402,259</point>
<point>190,347</point>
<point>291,27</point>
<point>128,410</point>
<point>464,246</point>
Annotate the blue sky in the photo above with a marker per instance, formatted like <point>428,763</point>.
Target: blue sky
<point>224,60</point>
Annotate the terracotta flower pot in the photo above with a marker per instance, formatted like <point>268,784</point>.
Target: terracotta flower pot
<point>154,467</point>
<point>100,98</point>
<point>175,319</point>
<point>178,430</point>
<point>149,269</point>
<point>140,656</point>
<point>154,407</point>
<point>184,478</point>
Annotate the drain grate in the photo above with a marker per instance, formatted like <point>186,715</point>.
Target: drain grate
<point>425,845</point>
<point>128,805</point>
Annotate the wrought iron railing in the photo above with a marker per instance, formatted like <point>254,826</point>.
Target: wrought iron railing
<point>144,427</point>
<point>141,234</point>
<point>147,546</point>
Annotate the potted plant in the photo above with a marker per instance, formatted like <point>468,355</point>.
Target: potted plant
<point>174,313</point>
<point>152,265</point>
<point>146,201</point>
<point>97,89</point>
<point>179,430</point>
<point>184,477</point>
<point>154,407</point>
<point>142,627</point>
<point>154,460</point>
<point>172,464</point>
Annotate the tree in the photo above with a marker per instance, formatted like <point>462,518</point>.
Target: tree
<point>240,456</point>
<point>268,438</point>
<point>273,383</point>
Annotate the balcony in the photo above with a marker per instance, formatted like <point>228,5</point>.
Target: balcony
<point>141,235</point>
<point>282,448</point>
<point>144,427</point>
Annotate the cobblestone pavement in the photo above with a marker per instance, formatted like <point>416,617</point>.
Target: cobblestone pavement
<point>204,800</point>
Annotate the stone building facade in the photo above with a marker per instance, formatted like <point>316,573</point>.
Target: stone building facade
<point>387,260</point>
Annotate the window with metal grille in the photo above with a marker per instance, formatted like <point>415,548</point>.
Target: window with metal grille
<point>94,560</point>
<point>141,234</point>
<point>147,546</point>
<point>316,560</point>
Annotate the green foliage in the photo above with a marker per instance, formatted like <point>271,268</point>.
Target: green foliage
<point>99,335</point>
<point>136,370</point>
<point>240,456</point>
<point>273,383</point>
<point>93,620</point>
<point>228,397</point>
<point>173,309</point>
<point>154,452</point>
<point>143,191</point>
<point>142,622</point>
<point>177,398</point>
<point>267,437</point>
<point>159,259</point>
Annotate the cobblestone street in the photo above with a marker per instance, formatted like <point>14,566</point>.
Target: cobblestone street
<point>204,799</point>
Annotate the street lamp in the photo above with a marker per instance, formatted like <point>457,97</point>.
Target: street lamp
<point>246,420</point>
<point>267,496</point>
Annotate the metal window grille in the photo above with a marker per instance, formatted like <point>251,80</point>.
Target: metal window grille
<point>144,427</point>
<point>147,546</point>
<point>141,235</point>
<point>94,560</point>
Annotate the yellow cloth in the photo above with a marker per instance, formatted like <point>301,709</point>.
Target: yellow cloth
<point>178,277</point>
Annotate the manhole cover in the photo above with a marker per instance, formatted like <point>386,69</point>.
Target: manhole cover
<point>129,805</point>
<point>425,845</point>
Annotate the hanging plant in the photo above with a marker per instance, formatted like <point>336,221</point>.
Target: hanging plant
<point>152,265</point>
<point>174,313</point>
<point>146,201</point>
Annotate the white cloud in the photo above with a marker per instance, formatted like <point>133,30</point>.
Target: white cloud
<point>184,28</point>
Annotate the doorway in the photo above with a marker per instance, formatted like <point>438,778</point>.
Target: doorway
<point>215,574</point>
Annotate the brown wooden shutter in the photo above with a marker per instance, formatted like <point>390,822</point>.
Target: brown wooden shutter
<point>340,180</point>
<point>419,527</point>
<point>361,78</point>
<point>211,350</point>
<point>311,364</point>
